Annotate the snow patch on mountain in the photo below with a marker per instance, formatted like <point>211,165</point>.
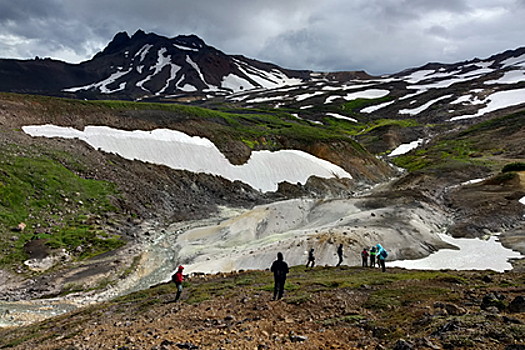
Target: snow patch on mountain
<point>405,148</point>
<point>196,67</point>
<point>471,255</point>
<point>510,77</point>
<point>339,116</point>
<point>103,85</point>
<point>374,108</point>
<point>496,101</point>
<point>369,94</point>
<point>268,80</point>
<point>264,170</point>
<point>143,52</point>
<point>416,111</point>
<point>180,47</point>
<point>514,62</point>
<point>235,83</point>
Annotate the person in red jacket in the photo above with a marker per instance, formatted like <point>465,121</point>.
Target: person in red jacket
<point>177,279</point>
<point>364,257</point>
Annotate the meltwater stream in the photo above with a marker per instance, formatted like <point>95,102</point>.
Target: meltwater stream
<point>157,263</point>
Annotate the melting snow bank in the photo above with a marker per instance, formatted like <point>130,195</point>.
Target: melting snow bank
<point>405,148</point>
<point>472,254</point>
<point>264,170</point>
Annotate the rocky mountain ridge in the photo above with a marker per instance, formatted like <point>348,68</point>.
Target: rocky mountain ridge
<point>146,66</point>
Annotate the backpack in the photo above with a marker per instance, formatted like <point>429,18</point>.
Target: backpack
<point>384,254</point>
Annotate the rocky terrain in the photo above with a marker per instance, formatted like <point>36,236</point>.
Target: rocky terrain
<point>323,308</point>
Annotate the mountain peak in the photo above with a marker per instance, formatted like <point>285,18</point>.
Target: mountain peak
<point>139,34</point>
<point>120,40</point>
<point>191,40</point>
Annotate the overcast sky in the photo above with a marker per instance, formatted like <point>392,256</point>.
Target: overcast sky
<point>378,36</point>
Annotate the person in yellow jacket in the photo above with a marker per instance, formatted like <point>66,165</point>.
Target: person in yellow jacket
<point>373,256</point>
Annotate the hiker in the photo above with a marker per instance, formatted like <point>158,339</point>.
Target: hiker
<point>279,269</point>
<point>364,257</point>
<point>381,256</point>
<point>311,258</point>
<point>340,253</point>
<point>177,279</point>
<point>373,256</point>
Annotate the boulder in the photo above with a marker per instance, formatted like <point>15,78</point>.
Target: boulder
<point>518,304</point>
<point>402,344</point>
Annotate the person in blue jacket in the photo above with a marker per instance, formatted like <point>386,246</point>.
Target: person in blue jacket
<point>381,255</point>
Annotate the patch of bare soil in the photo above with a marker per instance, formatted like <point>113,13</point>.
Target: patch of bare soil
<point>490,206</point>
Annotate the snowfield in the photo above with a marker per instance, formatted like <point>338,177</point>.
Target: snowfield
<point>405,148</point>
<point>471,254</point>
<point>498,100</point>
<point>263,171</point>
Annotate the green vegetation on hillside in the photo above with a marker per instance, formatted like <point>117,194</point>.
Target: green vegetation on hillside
<point>473,145</point>
<point>54,203</point>
<point>356,105</point>
<point>403,123</point>
<point>517,166</point>
<point>439,155</point>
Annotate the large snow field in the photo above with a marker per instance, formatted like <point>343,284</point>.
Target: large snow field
<point>472,254</point>
<point>263,171</point>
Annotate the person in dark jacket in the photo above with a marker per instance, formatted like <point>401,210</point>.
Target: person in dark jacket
<point>177,279</point>
<point>279,269</point>
<point>373,256</point>
<point>340,253</point>
<point>311,258</point>
<point>364,257</point>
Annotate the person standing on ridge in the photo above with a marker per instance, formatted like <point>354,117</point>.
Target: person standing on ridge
<point>373,256</point>
<point>279,269</point>
<point>177,279</point>
<point>364,257</point>
<point>381,256</point>
<point>311,258</point>
<point>340,253</point>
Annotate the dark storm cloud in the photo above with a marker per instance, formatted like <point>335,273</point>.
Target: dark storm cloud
<point>379,36</point>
